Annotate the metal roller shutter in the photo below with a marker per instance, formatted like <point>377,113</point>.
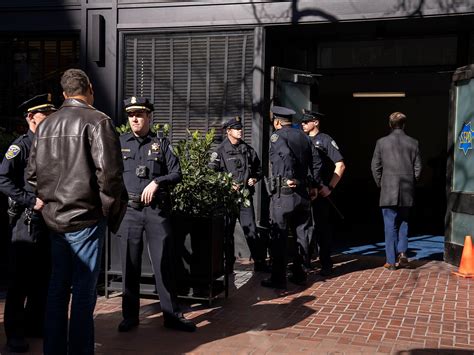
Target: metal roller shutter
<point>195,80</point>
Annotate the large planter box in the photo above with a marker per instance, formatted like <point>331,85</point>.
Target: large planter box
<point>200,259</point>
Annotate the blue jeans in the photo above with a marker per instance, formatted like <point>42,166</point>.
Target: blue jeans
<point>76,260</point>
<point>395,220</point>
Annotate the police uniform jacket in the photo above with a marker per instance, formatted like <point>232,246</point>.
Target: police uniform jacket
<point>241,160</point>
<point>396,165</point>
<point>291,155</point>
<point>153,152</point>
<point>12,172</point>
<point>76,167</point>
<point>329,153</point>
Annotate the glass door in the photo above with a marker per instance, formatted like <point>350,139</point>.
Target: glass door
<point>292,88</point>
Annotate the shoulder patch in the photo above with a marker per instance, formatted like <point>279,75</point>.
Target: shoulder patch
<point>12,151</point>
<point>274,137</point>
<point>334,144</point>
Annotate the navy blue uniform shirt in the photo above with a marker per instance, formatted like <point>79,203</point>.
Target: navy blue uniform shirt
<point>12,171</point>
<point>154,153</point>
<point>239,159</point>
<point>291,155</point>
<point>329,153</point>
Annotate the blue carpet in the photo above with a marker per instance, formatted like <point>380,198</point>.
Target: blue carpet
<point>423,247</point>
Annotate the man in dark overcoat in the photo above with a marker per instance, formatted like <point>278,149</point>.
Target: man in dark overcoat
<point>396,166</point>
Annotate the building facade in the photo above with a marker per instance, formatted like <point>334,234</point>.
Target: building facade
<point>203,61</point>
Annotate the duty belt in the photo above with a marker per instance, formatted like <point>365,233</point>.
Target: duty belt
<point>135,201</point>
<point>279,185</point>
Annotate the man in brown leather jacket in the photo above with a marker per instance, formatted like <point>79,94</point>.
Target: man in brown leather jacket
<point>76,166</point>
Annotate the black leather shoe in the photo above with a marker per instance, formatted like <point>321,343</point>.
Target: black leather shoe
<point>273,284</point>
<point>298,279</point>
<point>402,260</point>
<point>127,325</point>
<point>178,322</point>
<point>326,271</point>
<point>17,345</point>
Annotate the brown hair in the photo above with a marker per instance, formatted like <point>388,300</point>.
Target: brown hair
<point>75,82</point>
<point>397,120</point>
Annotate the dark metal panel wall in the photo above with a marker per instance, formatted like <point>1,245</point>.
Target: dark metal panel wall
<point>224,13</point>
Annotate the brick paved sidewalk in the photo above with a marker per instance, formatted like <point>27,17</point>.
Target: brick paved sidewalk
<point>362,308</point>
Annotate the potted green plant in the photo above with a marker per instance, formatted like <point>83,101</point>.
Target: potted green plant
<point>201,203</point>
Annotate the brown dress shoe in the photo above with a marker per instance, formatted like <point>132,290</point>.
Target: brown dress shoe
<point>402,260</point>
<point>390,267</point>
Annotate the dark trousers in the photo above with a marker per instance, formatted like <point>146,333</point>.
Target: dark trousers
<point>290,211</point>
<point>254,242</point>
<point>29,270</point>
<point>155,223</point>
<point>323,218</point>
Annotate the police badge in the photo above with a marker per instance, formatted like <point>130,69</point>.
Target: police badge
<point>155,147</point>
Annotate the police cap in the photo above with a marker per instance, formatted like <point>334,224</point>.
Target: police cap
<point>137,103</point>
<point>311,116</point>
<point>283,112</point>
<point>39,103</point>
<point>234,122</point>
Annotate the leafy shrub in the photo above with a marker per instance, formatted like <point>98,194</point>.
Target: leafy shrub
<point>203,192</point>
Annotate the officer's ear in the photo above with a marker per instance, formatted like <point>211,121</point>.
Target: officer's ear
<point>29,117</point>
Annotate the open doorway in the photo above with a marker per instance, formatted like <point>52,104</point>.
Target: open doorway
<point>356,124</point>
<point>404,56</point>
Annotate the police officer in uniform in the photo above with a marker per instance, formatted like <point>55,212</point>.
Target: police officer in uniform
<point>150,167</point>
<point>294,180</point>
<point>237,157</point>
<point>332,170</point>
<point>29,254</point>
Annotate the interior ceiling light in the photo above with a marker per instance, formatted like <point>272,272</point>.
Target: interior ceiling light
<point>378,94</point>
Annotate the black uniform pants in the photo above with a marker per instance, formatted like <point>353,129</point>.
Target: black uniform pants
<point>29,270</point>
<point>290,211</point>
<point>247,222</point>
<point>323,231</point>
<point>156,224</point>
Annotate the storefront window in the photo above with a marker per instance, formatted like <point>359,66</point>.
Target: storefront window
<point>31,66</point>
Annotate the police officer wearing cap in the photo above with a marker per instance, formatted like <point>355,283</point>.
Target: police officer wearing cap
<point>294,180</point>
<point>29,255</point>
<point>237,157</point>
<point>332,170</point>
<point>150,168</point>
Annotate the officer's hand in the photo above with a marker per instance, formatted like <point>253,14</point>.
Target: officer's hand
<point>236,186</point>
<point>252,181</point>
<point>324,191</point>
<point>39,204</point>
<point>291,183</point>
<point>149,192</point>
<point>313,193</point>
